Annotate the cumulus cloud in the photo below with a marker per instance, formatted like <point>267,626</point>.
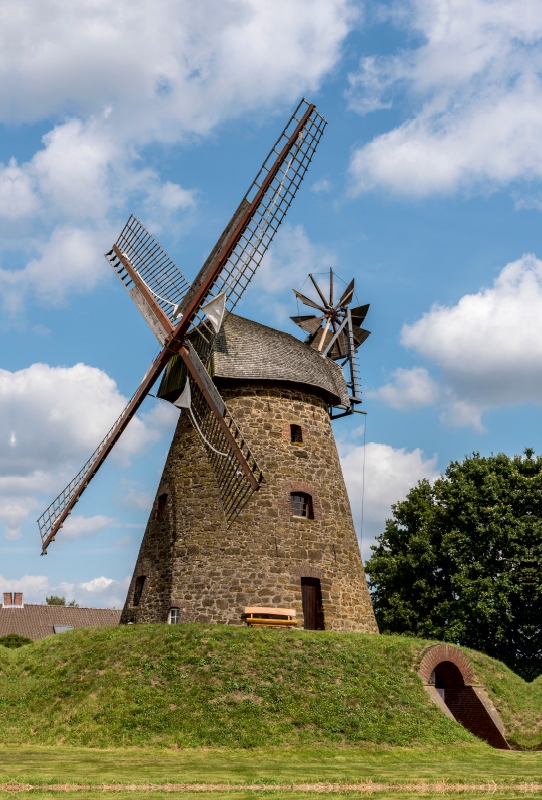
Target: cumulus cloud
<point>117,76</point>
<point>71,190</point>
<point>102,592</point>
<point>389,474</point>
<point>98,592</point>
<point>488,348</point>
<point>96,584</point>
<point>153,75</point>
<point>69,260</point>
<point>51,420</point>
<point>475,88</point>
<point>17,196</point>
<point>410,388</point>
<point>14,512</point>
<point>284,267</point>
<point>34,587</point>
<point>78,527</point>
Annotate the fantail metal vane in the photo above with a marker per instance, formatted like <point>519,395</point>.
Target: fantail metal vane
<point>336,331</point>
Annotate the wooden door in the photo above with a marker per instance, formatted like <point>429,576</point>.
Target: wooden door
<point>309,598</point>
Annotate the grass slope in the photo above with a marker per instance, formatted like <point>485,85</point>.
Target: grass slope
<point>195,685</point>
<point>519,703</point>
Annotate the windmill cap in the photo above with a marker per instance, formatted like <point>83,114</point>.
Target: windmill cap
<point>245,350</point>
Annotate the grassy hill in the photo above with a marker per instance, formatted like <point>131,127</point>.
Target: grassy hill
<point>195,685</point>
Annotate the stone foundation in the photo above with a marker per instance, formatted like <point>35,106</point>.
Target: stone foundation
<point>191,561</point>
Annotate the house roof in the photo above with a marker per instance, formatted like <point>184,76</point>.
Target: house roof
<point>246,350</point>
<point>36,621</point>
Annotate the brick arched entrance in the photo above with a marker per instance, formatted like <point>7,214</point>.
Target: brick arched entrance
<point>449,680</point>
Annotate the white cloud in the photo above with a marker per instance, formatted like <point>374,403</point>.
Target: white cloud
<point>17,197</point>
<point>370,85</point>
<point>475,87</point>
<point>34,587</point>
<point>389,474</point>
<point>118,76</point>
<point>70,260</point>
<point>286,266</point>
<point>78,527</point>
<point>411,388</point>
<point>102,592</point>
<point>151,74</point>
<point>96,584</point>
<point>99,592</point>
<point>51,420</point>
<point>321,186</point>
<point>14,512</point>
<point>72,168</point>
<point>488,346</point>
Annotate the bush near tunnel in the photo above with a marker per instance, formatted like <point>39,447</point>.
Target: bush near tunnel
<point>461,561</point>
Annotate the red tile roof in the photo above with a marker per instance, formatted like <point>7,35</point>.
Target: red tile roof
<point>36,622</point>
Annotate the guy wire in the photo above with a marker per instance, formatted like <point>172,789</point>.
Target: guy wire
<point>363,485</point>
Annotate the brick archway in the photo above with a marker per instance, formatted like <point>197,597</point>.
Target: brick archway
<point>449,679</point>
<point>438,653</point>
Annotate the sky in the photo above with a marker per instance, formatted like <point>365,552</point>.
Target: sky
<point>426,188</point>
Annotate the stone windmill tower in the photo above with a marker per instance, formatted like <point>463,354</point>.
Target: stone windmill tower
<point>254,518</point>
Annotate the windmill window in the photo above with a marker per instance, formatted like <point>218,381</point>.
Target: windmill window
<point>301,505</point>
<point>173,617</point>
<point>296,434</point>
<point>138,590</point>
<point>160,506</point>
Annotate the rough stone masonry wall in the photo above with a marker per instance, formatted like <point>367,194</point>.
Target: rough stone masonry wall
<point>192,561</point>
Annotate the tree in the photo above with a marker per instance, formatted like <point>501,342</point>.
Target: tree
<point>54,600</point>
<point>460,561</point>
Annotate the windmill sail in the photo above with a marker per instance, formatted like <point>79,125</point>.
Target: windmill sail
<point>159,274</point>
<point>240,249</point>
<point>174,309</point>
<point>233,486</point>
<point>235,469</point>
<point>54,516</point>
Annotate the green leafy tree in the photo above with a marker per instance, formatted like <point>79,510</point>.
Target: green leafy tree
<point>54,600</point>
<point>461,560</point>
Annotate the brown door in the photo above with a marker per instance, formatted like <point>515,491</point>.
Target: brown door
<point>311,595</point>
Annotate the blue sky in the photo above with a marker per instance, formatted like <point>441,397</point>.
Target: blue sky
<point>426,188</point>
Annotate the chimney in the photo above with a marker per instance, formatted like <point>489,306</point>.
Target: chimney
<point>18,601</point>
<point>7,599</point>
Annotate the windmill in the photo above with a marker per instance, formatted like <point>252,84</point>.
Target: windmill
<point>186,318</point>
<point>336,332</point>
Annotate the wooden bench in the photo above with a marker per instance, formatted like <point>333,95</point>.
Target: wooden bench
<point>265,617</point>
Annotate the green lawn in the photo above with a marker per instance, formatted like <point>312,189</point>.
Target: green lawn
<point>471,763</point>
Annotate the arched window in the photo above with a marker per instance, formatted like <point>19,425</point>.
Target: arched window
<point>173,616</point>
<point>160,506</point>
<point>301,505</point>
<point>296,434</point>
